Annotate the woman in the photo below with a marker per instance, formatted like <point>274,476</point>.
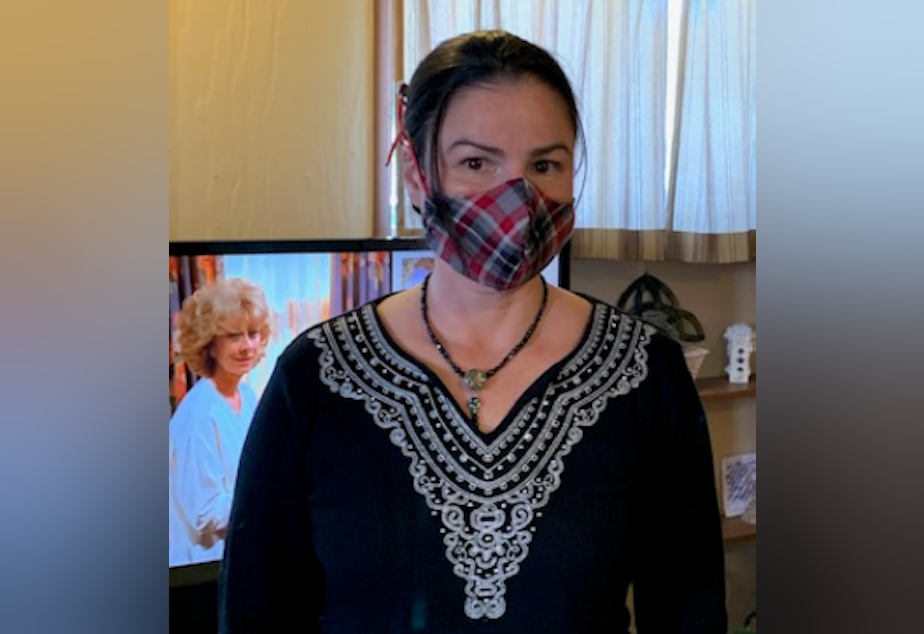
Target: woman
<point>223,331</point>
<point>481,453</point>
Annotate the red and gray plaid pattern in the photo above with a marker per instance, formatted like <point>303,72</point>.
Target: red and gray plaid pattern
<point>501,238</point>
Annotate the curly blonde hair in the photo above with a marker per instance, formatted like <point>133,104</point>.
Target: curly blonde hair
<point>204,311</point>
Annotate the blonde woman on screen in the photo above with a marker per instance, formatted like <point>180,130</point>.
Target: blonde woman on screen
<point>223,331</point>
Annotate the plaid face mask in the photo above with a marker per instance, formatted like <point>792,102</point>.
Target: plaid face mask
<point>501,238</point>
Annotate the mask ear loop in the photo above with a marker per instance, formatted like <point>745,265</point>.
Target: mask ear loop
<point>402,138</point>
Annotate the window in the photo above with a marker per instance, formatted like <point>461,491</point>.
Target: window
<point>667,91</point>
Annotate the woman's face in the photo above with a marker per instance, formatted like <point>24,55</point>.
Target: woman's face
<point>236,347</point>
<point>510,129</point>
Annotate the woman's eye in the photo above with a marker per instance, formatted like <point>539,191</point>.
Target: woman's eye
<point>474,163</point>
<point>543,166</point>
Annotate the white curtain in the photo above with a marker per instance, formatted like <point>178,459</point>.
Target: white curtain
<point>714,184</point>
<point>616,54</point>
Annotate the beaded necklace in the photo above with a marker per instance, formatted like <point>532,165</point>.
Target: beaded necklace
<point>475,379</point>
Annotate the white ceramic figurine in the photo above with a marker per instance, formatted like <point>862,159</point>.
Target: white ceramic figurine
<point>741,341</point>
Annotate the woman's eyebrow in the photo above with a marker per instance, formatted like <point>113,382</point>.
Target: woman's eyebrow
<point>546,149</point>
<point>479,146</point>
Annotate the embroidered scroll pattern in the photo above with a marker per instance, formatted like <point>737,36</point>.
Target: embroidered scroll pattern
<point>486,494</point>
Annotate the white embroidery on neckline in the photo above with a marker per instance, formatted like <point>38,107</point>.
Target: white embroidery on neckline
<point>486,495</point>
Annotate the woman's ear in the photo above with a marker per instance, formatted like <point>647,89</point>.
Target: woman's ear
<point>412,178</point>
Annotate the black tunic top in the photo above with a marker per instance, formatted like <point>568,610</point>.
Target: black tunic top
<point>366,502</point>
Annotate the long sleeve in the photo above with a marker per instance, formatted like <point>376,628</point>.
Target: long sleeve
<point>270,580</point>
<point>205,441</point>
<point>679,568</point>
<point>201,488</point>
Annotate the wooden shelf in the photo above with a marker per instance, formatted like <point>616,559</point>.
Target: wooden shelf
<point>717,388</point>
<point>735,529</point>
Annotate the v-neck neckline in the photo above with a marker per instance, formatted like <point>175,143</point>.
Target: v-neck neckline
<point>539,387</point>
<point>226,403</point>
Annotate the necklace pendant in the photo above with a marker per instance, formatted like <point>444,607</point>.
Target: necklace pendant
<point>474,404</point>
<point>475,379</point>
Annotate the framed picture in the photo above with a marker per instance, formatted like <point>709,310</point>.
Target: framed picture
<point>410,268</point>
<point>739,483</point>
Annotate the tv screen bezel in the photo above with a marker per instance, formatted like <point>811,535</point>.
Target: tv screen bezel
<point>333,245</point>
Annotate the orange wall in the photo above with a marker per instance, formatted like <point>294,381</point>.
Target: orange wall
<point>271,108</point>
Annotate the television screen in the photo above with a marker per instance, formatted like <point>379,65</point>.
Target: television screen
<point>304,283</point>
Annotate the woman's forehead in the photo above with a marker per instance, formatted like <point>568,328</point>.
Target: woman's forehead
<point>525,111</point>
<point>236,322</point>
